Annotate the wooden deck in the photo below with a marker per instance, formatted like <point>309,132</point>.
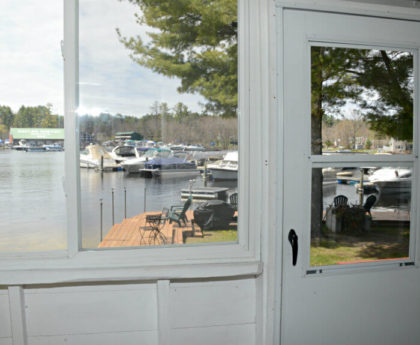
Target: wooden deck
<point>134,232</point>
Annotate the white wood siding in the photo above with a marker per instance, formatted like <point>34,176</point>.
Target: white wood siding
<point>6,341</point>
<point>207,304</point>
<point>213,312</point>
<point>5,324</point>
<point>105,314</point>
<point>147,313</point>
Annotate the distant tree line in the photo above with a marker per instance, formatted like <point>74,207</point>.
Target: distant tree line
<point>170,125</point>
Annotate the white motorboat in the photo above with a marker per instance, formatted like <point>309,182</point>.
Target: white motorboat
<point>122,153</point>
<point>22,146</point>
<point>226,169</point>
<point>53,148</point>
<point>132,166</point>
<point>392,180</point>
<point>96,157</point>
<point>175,166</point>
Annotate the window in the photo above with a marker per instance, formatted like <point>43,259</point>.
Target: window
<point>86,86</point>
<point>158,123</point>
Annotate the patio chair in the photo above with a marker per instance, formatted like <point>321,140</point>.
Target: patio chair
<point>150,233</point>
<point>178,213</point>
<point>370,201</point>
<point>234,200</point>
<point>340,200</point>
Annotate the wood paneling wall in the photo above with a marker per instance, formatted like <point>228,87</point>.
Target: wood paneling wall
<point>147,313</point>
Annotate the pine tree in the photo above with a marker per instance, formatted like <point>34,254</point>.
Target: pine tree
<point>195,41</point>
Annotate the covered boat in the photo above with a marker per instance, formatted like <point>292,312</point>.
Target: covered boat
<point>134,165</point>
<point>169,167</point>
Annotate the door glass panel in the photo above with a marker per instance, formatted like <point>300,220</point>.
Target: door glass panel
<point>361,101</point>
<point>360,214</point>
<point>158,122</point>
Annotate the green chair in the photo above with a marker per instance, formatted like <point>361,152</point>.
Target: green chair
<point>178,213</point>
<point>234,200</point>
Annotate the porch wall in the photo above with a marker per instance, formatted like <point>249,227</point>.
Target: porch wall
<point>203,312</point>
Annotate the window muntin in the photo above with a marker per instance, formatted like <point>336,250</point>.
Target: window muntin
<point>118,95</point>
<point>32,212</point>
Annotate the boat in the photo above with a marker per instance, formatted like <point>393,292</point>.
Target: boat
<point>53,148</point>
<point>226,169</point>
<point>329,181</point>
<point>22,146</point>
<point>175,166</point>
<point>96,157</point>
<point>391,181</point>
<point>205,193</point>
<point>122,153</point>
<point>132,166</point>
<point>35,149</point>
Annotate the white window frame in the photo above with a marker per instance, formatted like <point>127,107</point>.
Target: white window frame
<point>174,262</point>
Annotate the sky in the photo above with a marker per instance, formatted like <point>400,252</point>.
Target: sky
<point>31,65</point>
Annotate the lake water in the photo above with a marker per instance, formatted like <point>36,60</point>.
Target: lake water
<point>32,201</point>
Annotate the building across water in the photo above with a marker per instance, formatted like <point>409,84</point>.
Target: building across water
<point>37,136</point>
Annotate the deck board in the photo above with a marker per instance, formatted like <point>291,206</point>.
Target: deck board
<point>130,231</point>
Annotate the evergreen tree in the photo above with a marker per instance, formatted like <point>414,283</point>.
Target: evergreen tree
<point>388,77</point>
<point>6,116</point>
<point>195,41</point>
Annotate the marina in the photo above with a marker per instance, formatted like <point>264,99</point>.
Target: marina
<point>113,201</point>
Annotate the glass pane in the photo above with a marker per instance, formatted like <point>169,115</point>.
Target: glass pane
<point>32,211</point>
<point>158,122</point>
<point>361,101</point>
<point>360,214</point>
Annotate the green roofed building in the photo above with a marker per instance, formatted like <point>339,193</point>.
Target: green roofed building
<point>38,135</point>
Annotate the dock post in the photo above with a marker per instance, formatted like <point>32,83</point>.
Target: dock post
<point>361,192</point>
<point>102,163</point>
<point>125,202</point>
<point>113,218</point>
<point>101,215</point>
<point>144,202</point>
<point>205,173</point>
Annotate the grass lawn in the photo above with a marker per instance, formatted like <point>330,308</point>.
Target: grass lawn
<point>379,243</point>
<point>214,236</point>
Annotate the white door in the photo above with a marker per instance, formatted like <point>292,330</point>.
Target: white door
<point>356,278</point>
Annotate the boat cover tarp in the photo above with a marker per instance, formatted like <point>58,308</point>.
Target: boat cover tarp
<point>214,215</point>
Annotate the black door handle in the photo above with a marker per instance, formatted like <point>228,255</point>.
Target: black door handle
<point>293,239</point>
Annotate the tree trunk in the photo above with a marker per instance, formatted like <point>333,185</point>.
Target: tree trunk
<point>316,145</point>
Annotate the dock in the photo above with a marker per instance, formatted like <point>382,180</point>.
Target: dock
<point>134,232</point>
<point>350,180</point>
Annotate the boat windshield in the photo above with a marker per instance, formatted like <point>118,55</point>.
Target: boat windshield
<point>157,153</point>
